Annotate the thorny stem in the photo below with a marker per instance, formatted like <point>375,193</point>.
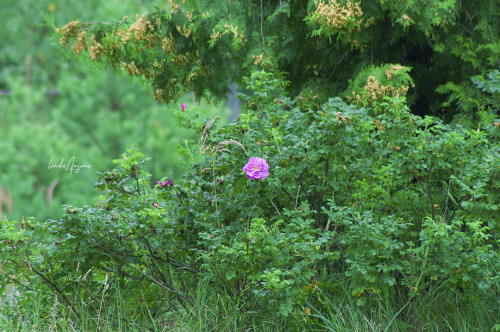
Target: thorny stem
<point>54,287</point>
<point>260,126</point>
<point>429,190</point>
<point>182,299</point>
<point>124,191</point>
<point>215,188</point>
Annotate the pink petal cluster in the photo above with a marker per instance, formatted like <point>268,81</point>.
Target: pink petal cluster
<point>164,184</point>
<point>257,168</point>
<point>183,106</point>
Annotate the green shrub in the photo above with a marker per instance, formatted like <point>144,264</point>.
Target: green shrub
<point>399,203</point>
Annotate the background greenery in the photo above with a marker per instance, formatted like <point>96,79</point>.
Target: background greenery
<point>52,106</point>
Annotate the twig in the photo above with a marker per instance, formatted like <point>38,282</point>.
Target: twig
<point>54,287</point>
<point>215,188</point>
<point>261,18</point>
<point>334,68</point>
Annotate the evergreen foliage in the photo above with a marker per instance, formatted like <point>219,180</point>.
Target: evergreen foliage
<point>319,45</point>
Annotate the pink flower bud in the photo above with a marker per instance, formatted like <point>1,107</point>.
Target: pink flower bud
<point>183,106</point>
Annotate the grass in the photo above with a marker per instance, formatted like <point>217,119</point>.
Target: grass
<point>444,311</point>
<point>209,312</point>
<point>439,310</point>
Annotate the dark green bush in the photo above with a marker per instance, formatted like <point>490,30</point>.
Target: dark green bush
<point>399,203</point>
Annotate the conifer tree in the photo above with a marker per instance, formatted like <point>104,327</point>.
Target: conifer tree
<point>317,49</point>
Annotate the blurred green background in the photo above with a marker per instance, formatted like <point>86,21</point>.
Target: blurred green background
<point>55,107</point>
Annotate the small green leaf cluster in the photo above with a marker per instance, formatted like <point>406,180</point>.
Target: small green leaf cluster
<point>374,83</point>
<point>399,203</point>
<point>342,19</point>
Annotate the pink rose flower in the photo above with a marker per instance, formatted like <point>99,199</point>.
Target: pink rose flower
<point>257,168</point>
<point>183,106</point>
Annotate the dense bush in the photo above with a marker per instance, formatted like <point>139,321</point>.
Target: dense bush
<point>399,203</point>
